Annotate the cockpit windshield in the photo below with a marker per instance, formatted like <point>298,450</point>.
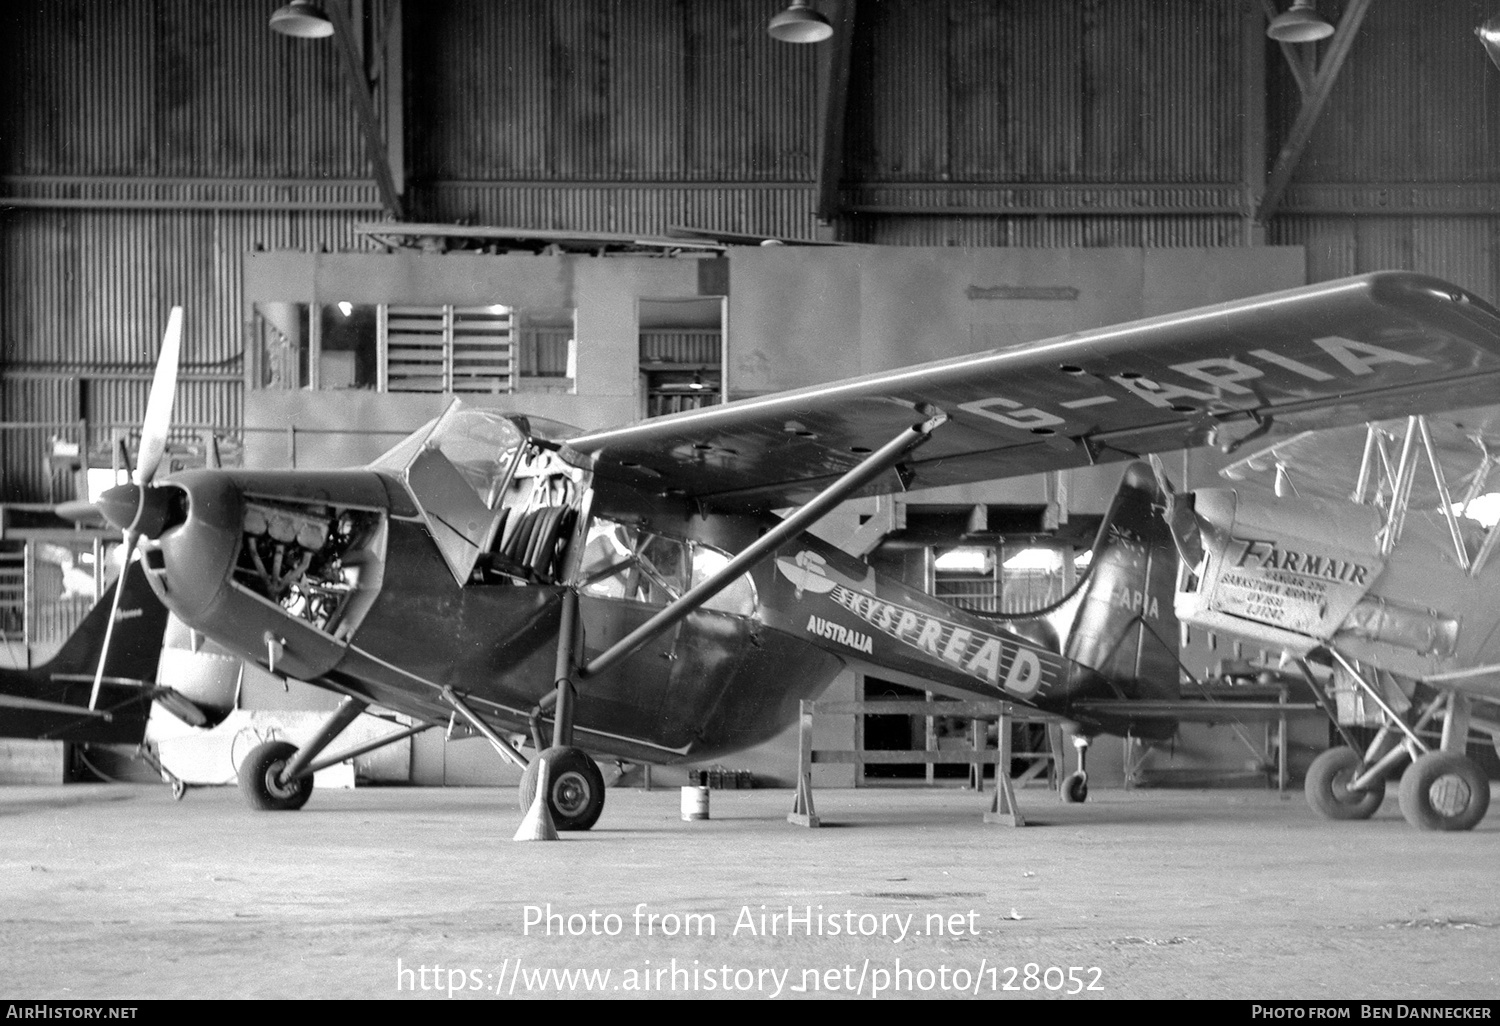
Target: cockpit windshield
<point>481,445</point>
<point>480,477</point>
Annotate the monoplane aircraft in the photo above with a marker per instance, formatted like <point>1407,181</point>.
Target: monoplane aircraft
<point>635,589</point>
<point>1367,564</point>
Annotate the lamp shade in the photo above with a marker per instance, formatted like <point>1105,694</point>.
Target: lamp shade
<point>1489,35</point>
<point>1299,24</point>
<point>799,23</point>
<point>302,19</point>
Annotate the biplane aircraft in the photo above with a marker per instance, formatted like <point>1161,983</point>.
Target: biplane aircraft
<point>634,590</point>
<point>1369,564</point>
<point>60,699</point>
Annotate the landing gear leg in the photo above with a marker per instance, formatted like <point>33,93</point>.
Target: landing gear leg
<point>1075,788</point>
<point>574,788</point>
<point>278,776</point>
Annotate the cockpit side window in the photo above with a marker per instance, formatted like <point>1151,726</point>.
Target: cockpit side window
<point>739,597</point>
<point>624,562</point>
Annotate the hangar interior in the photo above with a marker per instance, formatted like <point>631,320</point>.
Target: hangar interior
<point>596,211</point>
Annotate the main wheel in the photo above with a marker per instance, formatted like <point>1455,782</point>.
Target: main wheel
<point>1327,786</point>
<point>258,779</point>
<point>575,787</point>
<point>1075,788</point>
<point>1444,791</point>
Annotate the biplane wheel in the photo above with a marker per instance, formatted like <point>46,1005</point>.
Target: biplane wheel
<point>1327,786</point>
<point>575,791</point>
<point>1075,789</point>
<point>258,781</point>
<point>1444,791</point>
<point>179,789</point>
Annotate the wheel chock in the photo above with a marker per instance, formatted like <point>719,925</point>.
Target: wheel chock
<point>802,813</point>
<point>537,824</point>
<point>1003,808</point>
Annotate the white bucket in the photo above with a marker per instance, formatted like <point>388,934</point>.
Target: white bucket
<point>695,803</point>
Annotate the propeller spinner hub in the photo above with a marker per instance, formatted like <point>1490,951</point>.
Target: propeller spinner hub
<point>143,511</point>
<point>120,504</point>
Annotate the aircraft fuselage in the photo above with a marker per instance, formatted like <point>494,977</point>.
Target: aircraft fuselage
<point>342,579</point>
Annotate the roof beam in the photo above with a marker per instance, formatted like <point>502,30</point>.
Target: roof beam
<point>833,112</point>
<point>364,106</point>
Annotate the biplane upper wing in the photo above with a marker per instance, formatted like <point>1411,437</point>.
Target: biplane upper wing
<point>1326,464</point>
<point>1325,355</point>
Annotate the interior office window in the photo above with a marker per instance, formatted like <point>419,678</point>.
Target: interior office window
<point>283,344</point>
<point>547,349</point>
<point>681,354</point>
<point>347,348</point>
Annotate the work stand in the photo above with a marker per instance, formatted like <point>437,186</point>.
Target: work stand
<point>1003,808</point>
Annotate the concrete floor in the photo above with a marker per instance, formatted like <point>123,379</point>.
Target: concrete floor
<point>117,892</point>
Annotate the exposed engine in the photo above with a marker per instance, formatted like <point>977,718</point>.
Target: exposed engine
<point>307,560</point>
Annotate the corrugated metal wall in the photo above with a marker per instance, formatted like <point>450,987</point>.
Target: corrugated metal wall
<point>146,145</point>
<point>604,90</point>
<point>170,87</point>
<point>1417,101</point>
<point>1092,91</point>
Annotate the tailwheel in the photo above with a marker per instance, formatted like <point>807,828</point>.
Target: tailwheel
<point>575,787</point>
<point>1444,791</point>
<point>1075,789</point>
<point>1327,786</point>
<point>260,781</point>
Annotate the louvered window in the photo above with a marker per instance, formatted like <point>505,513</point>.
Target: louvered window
<point>446,349</point>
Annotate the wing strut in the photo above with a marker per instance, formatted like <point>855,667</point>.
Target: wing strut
<point>873,465</point>
<point>504,747</point>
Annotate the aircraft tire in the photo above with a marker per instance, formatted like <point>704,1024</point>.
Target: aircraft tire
<point>1075,789</point>
<point>575,795</point>
<point>1327,786</point>
<point>1444,791</point>
<point>258,783</point>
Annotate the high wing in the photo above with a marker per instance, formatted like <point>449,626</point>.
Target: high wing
<point>1326,355</point>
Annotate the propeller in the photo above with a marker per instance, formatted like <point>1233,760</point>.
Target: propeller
<point>137,508</point>
<point>1182,520</point>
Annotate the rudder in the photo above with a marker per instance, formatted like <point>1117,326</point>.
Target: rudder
<point>135,648</point>
<point>1124,625</point>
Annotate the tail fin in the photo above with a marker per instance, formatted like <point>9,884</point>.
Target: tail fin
<point>135,648</point>
<point>1122,624</point>
<point>51,701</point>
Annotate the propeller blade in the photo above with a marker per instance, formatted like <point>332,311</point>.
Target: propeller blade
<point>114,614</point>
<point>79,511</point>
<point>115,502</point>
<point>158,420</point>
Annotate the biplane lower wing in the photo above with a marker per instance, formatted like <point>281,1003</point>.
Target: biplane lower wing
<point>1325,355</point>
